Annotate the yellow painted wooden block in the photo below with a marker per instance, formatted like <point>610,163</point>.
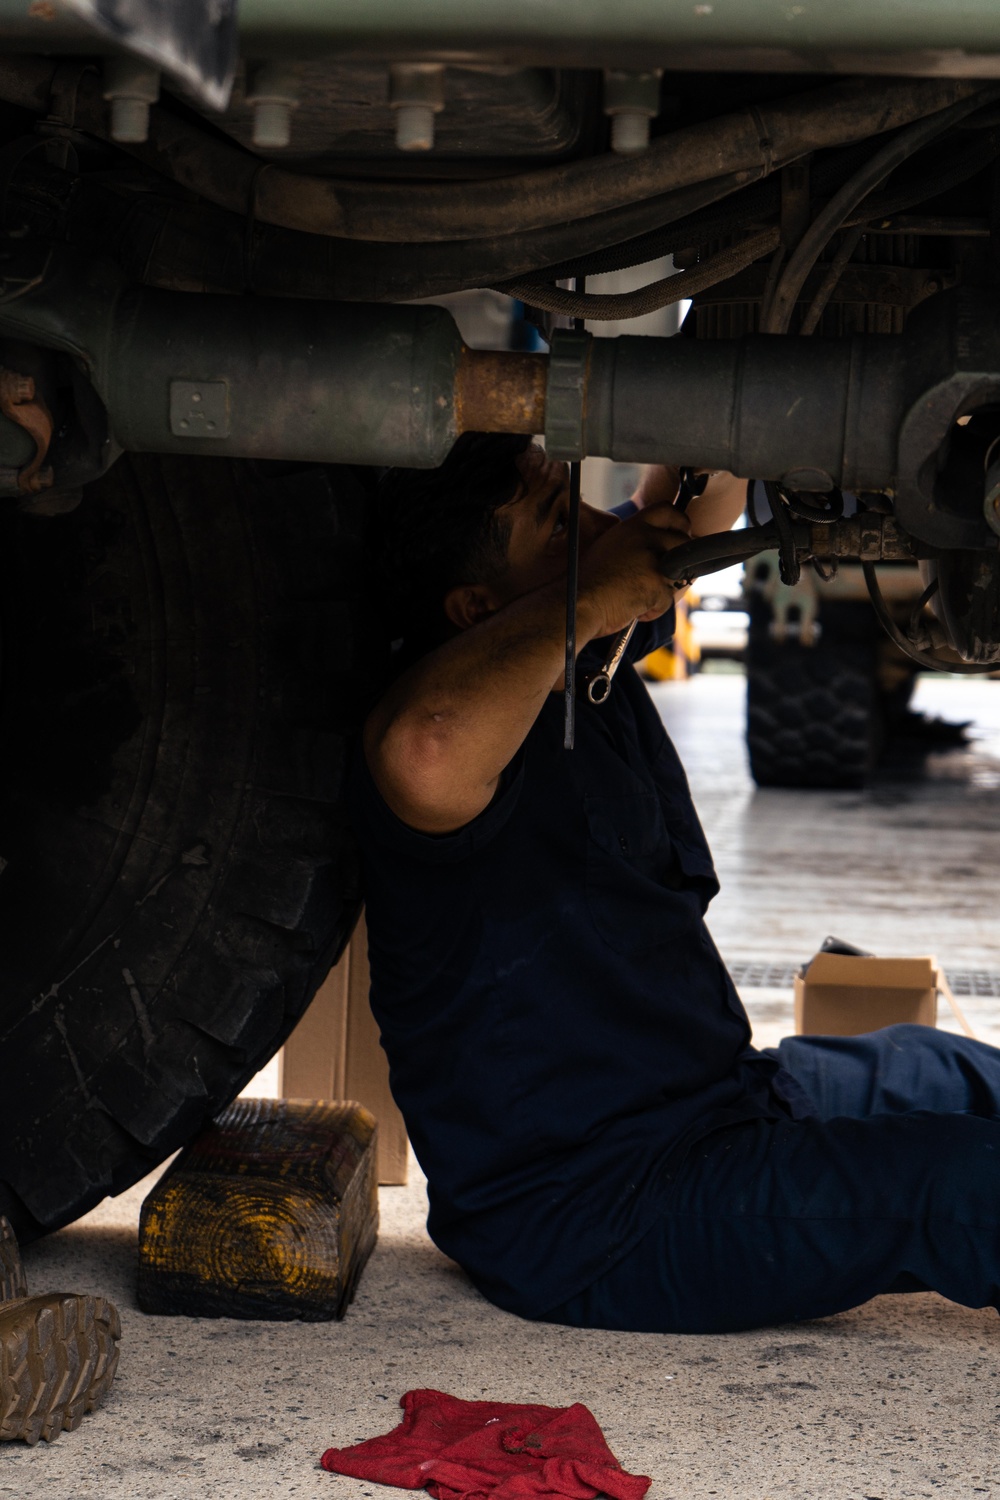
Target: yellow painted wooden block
<point>271,1212</point>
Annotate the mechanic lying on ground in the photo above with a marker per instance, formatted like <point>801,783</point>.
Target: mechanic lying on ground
<point>603,1146</point>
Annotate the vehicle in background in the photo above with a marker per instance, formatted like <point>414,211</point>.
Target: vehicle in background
<point>826,688</point>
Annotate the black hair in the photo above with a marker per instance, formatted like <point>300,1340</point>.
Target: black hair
<point>440,528</point>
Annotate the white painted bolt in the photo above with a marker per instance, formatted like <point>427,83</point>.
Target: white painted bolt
<point>272,123</point>
<point>414,127</point>
<point>131,87</point>
<point>272,90</point>
<point>416,95</point>
<point>631,100</point>
<point>629,131</point>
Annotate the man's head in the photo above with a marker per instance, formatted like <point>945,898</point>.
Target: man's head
<point>464,539</point>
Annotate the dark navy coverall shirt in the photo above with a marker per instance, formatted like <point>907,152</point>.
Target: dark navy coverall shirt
<point>559,1026</point>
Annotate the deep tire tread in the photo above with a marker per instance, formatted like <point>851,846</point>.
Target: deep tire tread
<point>58,1358</point>
<point>257,593</point>
<point>13,1282</point>
<point>812,714</point>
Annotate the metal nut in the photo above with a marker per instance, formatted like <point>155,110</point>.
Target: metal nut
<point>273,91</point>
<point>130,86</point>
<point>416,94</point>
<point>631,100</point>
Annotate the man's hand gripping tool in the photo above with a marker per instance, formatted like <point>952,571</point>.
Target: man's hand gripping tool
<point>599,686</point>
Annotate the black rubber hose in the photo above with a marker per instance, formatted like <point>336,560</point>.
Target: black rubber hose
<point>855,190</point>
<point>828,285</point>
<point>707,554</point>
<point>789,567</point>
<point>923,658</point>
<point>191,246</point>
<point>927,176</point>
<point>746,206</point>
<point>194,246</point>
<point>657,294</point>
<point>756,139</point>
<point>759,203</point>
<point>759,139</point>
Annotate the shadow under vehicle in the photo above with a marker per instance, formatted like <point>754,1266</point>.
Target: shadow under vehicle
<point>207,229</point>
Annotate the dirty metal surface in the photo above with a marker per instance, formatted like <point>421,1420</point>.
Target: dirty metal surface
<point>499,391</point>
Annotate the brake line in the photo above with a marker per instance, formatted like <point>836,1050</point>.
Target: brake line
<point>923,658</point>
<point>854,191</point>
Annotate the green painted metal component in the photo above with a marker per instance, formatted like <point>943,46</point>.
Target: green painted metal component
<point>251,377</point>
<point>802,33</point>
<point>950,24</point>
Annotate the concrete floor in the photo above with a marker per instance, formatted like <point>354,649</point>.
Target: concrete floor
<point>896,1400</point>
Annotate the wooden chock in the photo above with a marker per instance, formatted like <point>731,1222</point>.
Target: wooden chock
<point>271,1212</point>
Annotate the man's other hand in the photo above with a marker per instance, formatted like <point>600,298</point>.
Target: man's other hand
<point>717,508</point>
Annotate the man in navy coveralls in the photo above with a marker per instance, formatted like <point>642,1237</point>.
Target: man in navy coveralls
<point>603,1145</point>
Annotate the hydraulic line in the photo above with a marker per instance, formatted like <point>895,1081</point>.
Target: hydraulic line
<point>828,285</point>
<point>759,139</point>
<point>760,202</point>
<point>923,658</point>
<point>709,554</point>
<point>843,203</point>
<point>657,294</point>
<point>861,538</point>
<point>737,210</point>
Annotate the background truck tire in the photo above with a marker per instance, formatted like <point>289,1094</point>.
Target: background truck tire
<point>814,713</point>
<point>182,660</point>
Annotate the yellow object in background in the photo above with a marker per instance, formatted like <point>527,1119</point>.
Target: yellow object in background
<point>682,657</point>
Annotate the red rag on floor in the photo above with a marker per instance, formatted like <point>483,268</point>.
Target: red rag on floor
<point>491,1450</point>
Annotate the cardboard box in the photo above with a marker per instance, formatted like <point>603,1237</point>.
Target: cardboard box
<point>334,1053</point>
<point>843,995</point>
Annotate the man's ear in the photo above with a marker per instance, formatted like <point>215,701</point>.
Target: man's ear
<point>468,604</point>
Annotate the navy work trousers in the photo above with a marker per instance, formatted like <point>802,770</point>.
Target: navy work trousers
<point>894,1186</point>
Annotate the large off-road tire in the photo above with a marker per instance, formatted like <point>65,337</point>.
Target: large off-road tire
<point>813,712</point>
<point>182,660</point>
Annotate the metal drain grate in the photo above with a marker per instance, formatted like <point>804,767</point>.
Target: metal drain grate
<point>776,976</point>
<point>762,976</point>
<point>973,982</point>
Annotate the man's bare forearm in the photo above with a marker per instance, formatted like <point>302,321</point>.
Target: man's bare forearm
<point>440,738</point>
<point>472,701</point>
<point>719,506</point>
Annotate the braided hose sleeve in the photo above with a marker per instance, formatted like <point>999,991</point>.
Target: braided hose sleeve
<point>676,288</point>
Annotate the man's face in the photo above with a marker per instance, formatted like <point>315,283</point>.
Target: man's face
<point>539,517</point>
